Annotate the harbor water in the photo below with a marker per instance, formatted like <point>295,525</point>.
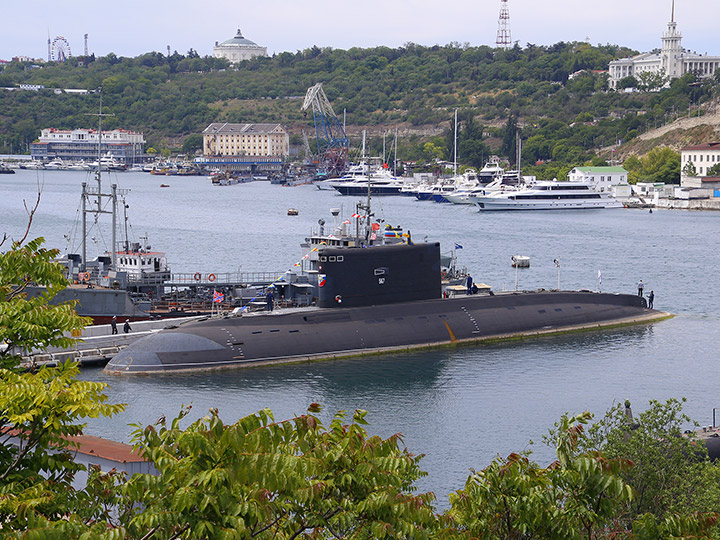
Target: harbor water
<point>459,406</point>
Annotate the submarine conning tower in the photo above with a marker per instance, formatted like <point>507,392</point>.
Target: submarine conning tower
<point>354,277</point>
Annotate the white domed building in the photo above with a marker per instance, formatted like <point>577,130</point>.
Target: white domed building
<point>238,49</point>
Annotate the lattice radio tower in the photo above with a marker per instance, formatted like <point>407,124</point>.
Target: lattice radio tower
<point>504,41</point>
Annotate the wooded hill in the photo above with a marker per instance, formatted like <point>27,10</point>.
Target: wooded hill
<point>557,94</point>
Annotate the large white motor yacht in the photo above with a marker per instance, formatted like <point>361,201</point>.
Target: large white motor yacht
<point>551,195</point>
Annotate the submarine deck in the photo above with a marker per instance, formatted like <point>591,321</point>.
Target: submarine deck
<point>192,355</point>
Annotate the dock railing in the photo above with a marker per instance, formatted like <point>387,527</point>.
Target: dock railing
<point>208,279</point>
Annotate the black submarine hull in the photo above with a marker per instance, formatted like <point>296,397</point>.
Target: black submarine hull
<point>296,335</point>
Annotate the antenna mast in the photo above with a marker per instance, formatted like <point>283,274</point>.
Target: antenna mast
<point>97,192</point>
<point>86,45</point>
<point>504,41</point>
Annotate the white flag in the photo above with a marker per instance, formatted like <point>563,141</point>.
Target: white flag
<point>599,277</point>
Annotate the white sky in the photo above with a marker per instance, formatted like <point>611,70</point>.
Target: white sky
<point>133,27</point>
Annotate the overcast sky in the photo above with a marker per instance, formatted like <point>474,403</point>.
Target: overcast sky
<point>133,27</point>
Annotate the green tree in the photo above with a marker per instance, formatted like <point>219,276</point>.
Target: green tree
<point>689,169</point>
<point>662,165</point>
<point>30,321</point>
<point>578,496</point>
<point>712,171</point>
<point>667,465</point>
<point>263,479</point>
<point>432,151</point>
<point>509,138</point>
<point>651,80</point>
<point>192,143</point>
<point>627,82</point>
<point>585,493</point>
<point>633,165</point>
<point>42,408</point>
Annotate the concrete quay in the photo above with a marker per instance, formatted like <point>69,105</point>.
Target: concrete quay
<point>97,344</point>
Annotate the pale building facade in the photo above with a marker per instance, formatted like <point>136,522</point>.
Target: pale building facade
<point>238,49</point>
<point>671,62</point>
<point>603,178</point>
<point>82,144</point>
<point>225,139</point>
<point>703,157</point>
<point>121,136</point>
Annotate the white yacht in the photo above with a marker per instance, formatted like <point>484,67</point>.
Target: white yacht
<point>108,162</point>
<point>355,172</point>
<point>380,183</point>
<point>56,164</point>
<point>468,196</point>
<point>79,166</point>
<point>34,164</point>
<point>551,195</point>
<point>490,171</point>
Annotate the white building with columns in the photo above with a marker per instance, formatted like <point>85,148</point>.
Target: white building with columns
<point>672,61</point>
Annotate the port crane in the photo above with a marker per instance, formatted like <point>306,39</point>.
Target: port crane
<point>332,142</point>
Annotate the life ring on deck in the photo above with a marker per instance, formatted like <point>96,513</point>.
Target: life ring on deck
<point>84,276</point>
<point>197,276</point>
<point>443,275</point>
<point>211,277</point>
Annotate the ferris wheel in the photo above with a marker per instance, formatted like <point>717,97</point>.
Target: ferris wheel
<point>60,49</point>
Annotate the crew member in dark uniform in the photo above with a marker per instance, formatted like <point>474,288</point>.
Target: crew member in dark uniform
<point>113,324</point>
<point>269,297</point>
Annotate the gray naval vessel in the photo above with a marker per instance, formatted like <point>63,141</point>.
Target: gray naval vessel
<point>371,300</point>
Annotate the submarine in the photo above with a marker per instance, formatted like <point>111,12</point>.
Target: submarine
<point>375,299</point>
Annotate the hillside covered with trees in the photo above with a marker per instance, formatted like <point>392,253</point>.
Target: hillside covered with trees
<point>556,94</point>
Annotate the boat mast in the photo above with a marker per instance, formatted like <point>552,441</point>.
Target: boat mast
<point>127,243</point>
<point>383,157</point>
<point>518,154</point>
<point>99,195</point>
<point>363,148</point>
<point>455,146</point>
<point>395,159</point>
<point>367,206</point>
<point>84,226</point>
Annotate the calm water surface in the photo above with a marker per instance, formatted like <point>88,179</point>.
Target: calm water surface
<point>459,406</point>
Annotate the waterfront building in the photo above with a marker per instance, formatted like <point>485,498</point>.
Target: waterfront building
<point>263,140</point>
<point>238,49</point>
<point>82,144</point>
<point>670,62</point>
<point>702,157</point>
<point>603,178</point>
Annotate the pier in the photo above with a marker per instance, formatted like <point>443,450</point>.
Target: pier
<point>97,344</point>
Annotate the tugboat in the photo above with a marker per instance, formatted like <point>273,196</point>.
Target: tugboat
<point>124,280</point>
